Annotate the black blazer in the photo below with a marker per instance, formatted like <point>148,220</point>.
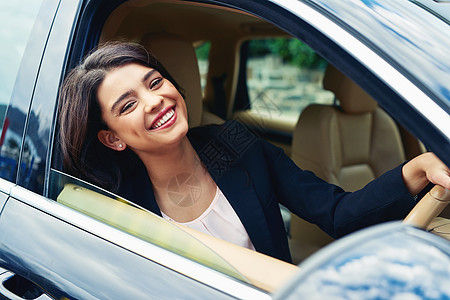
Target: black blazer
<point>256,176</point>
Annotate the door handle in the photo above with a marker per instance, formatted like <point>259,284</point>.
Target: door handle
<point>5,292</point>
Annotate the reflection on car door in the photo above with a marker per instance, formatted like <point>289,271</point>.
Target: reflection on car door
<point>45,246</point>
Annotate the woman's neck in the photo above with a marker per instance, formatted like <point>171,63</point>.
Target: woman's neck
<point>180,158</point>
<point>182,186</point>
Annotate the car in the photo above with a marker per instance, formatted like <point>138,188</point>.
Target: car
<point>284,69</point>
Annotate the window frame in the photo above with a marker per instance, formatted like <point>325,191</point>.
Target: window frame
<point>25,83</point>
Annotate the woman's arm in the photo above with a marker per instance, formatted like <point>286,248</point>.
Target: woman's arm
<point>423,169</point>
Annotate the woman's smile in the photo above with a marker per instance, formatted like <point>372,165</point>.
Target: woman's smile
<point>164,119</point>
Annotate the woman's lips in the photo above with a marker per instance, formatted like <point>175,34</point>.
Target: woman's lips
<point>164,119</point>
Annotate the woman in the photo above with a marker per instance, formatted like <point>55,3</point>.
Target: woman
<point>123,126</point>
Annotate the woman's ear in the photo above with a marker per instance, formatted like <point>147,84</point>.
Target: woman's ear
<point>109,139</point>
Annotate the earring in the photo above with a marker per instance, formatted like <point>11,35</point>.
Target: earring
<point>120,145</point>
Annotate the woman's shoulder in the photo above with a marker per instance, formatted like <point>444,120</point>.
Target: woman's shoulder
<point>231,139</point>
<point>232,135</point>
<point>204,131</point>
<point>215,129</point>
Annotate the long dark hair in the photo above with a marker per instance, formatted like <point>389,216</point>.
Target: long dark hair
<point>80,116</point>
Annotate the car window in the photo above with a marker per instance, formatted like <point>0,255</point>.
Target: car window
<point>16,21</point>
<point>226,258</point>
<point>283,76</point>
<point>202,52</point>
<point>127,216</point>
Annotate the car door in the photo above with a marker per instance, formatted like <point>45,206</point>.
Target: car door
<point>43,242</point>
<point>48,250</point>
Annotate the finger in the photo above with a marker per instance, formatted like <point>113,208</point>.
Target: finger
<point>440,177</point>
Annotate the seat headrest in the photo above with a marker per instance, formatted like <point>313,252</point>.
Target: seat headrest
<point>178,57</point>
<point>352,98</point>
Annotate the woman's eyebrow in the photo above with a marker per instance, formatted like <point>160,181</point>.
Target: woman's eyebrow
<point>121,97</point>
<point>128,93</point>
<point>148,74</point>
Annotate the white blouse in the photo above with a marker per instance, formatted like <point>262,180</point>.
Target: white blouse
<point>221,221</point>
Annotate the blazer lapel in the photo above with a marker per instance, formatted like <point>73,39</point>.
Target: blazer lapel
<point>220,153</point>
<point>138,189</point>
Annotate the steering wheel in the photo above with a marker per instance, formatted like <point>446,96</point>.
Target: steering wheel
<point>429,207</point>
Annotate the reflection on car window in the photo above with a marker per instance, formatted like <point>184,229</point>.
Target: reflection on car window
<point>126,216</point>
<point>391,260</point>
<point>16,21</point>
<point>284,75</point>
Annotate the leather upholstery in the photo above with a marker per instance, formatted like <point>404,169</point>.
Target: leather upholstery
<point>347,145</point>
<point>353,99</point>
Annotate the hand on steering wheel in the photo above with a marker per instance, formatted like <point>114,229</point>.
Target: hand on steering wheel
<point>429,207</point>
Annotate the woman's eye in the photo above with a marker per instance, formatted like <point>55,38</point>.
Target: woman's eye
<point>156,83</point>
<point>126,107</point>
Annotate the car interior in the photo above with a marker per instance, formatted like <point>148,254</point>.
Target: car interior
<point>328,125</point>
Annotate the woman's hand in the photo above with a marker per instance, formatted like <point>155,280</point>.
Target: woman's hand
<point>423,169</point>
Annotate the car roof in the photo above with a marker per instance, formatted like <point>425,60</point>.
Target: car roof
<point>439,8</point>
<point>415,43</point>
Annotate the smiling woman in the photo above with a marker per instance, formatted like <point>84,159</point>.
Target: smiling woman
<point>139,99</point>
<point>132,131</point>
<point>80,119</point>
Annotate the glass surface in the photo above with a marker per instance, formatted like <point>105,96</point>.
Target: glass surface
<point>397,262</point>
<point>202,51</point>
<point>284,76</point>
<point>33,156</point>
<point>16,21</point>
<point>126,216</point>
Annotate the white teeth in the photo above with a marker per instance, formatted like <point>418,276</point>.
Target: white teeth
<point>164,119</point>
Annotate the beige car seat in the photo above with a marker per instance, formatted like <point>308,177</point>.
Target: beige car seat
<point>178,57</point>
<point>347,145</point>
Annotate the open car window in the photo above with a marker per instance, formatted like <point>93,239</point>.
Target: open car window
<point>284,75</point>
<point>202,49</point>
<point>279,78</point>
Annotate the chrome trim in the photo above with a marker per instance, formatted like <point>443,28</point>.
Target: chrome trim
<point>164,257</point>
<point>393,78</point>
<point>4,276</point>
<point>6,186</point>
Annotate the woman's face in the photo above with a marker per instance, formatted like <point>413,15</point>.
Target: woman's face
<point>142,110</point>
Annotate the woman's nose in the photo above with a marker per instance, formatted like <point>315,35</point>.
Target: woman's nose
<point>153,103</point>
